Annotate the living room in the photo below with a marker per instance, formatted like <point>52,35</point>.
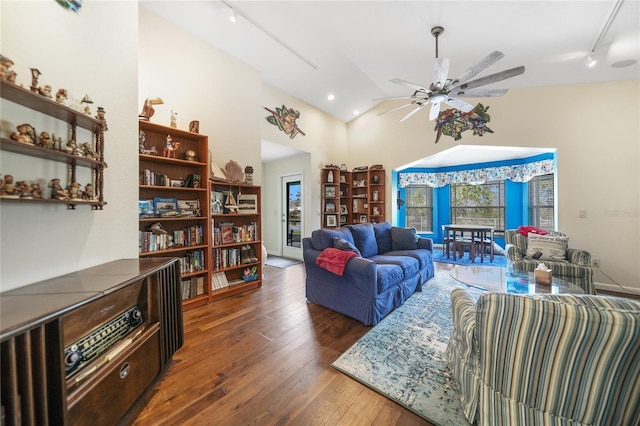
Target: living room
<point>120,54</point>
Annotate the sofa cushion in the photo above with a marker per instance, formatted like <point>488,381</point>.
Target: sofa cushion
<point>383,236</point>
<point>409,265</point>
<point>387,276</point>
<point>547,247</point>
<point>404,238</point>
<point>364,238</point>
<point>323,238</point>
<point>342,244</point>
<point>424,257</point>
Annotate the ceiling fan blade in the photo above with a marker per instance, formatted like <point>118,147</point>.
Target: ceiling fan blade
<point>397,108</point>
<point>459,104</point>
<point>440,73</point>
<point>410,85</point>
<point>413,112</point>
<point>486,62</point>
<point>499,76</point>
<point>478,93</point>
<point>435,110</point>
<point>395,98</point>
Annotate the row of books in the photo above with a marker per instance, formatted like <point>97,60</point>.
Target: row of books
<point>229,234</point>
<point>150,178</point>
<point>192,261</point>
<point>192,287</point>
<point>219,280</point>
<point>190,236</point>
<point>224,258</point>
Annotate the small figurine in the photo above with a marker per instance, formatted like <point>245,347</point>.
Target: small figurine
<point>45,140</point>
<point>57,142</point>
<point>173,119</point>
<point>5,69</point>
<point>171,148</point>
<point>72,148</point>
<point>88,193</point>
<point>88,151</point>
<point>25,134</point>
<point>45,91</point>
<point>103,121</point>
<point>147,109</point>
<point>8,189</point>
<point>62,96</point>
<point>86,100</point>
<point>248,175</point>
<point>74,190</point>
<point>35,73</point>
<point>57,191</point>
<point>24,189</point>
<point>36,192</point>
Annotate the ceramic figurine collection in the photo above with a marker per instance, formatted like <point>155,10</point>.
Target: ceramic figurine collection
<point>26,134</point>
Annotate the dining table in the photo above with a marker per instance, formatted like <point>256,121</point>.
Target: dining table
<point>479,235</point>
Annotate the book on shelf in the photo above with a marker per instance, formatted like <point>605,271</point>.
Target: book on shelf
<point>219,281</point>
<point>192,287</point>
<point>227,234</point>
<point>189,208</point>
<point>165,207</point>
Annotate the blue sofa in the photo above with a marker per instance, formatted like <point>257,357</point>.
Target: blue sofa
<point>392,264</point>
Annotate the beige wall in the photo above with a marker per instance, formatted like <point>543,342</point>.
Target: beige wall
<point>84,53</point>
<point>595,129</point>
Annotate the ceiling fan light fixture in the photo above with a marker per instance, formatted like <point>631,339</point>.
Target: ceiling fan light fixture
<point>438,97</point>
<point>590,61</point>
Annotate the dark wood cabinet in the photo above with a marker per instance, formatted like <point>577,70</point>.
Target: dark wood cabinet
<point>86,346</point>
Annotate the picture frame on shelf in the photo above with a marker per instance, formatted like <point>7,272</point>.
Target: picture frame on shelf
<point>330,207</point>
<point>176,183</point>
<point>248,203</point>
<point>332,221</point>
<point>166,207</point>
<point>343,209</point>
<point>363,218</point>
<point>343,219</point>
<point>330,192</point>
<point>189,208</point>
<point>376,211</point>
<point>217,202</point>
<point>146,208</point>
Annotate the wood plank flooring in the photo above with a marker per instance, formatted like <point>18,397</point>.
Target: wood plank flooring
<point>264,357</point>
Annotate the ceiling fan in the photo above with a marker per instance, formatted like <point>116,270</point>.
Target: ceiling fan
<point>449,91</point>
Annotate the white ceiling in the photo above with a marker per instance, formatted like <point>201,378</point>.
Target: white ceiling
<point>352,49</point>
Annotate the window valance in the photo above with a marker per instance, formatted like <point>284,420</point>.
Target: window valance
<point>515,173</point>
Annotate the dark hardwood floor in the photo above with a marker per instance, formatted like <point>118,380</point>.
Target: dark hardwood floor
<point>264,357</point>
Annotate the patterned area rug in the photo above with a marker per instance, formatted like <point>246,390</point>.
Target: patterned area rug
<point>403,357</point>
<point>498,260</point>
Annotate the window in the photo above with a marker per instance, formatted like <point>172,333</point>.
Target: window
<point>478,204</point>
<point>542,202</point>
<point>419,207</point>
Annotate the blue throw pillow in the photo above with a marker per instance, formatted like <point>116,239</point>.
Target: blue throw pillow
<point>404,238</point>
<point>383,236</point>
<point>323,238</point>
<point>342,244</point>
<point>364,238</point>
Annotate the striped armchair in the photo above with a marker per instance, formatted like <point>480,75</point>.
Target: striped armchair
<point>576,269</point>
<point>546,359</point>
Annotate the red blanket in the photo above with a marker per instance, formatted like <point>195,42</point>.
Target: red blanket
<point>334,260</point>
<point>525,230</point>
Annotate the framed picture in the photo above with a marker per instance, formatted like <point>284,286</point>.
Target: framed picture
<point>217,201</point>
<point>248,203</point>
<point>145,208</point>
<point>329,192</point>
<point>343,219</point>
<point>332,221</point>
<point>363,218</point>
<point>176,183</point>
<point>189,207</point>
<point>330,207</point>
<point>376,211</point>
<point>166,207</point>
<point>343,209</point>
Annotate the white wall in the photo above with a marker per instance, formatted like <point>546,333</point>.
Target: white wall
<point>86,53</point>
<point>596,131</point>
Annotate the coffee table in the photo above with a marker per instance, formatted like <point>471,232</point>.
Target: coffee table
<point>501,279</point>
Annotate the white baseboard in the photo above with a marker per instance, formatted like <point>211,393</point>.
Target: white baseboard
<point>616,288</point>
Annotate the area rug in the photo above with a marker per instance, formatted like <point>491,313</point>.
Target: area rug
<point>403,357</point>
<point>440,256</point>
<point>281,262</point>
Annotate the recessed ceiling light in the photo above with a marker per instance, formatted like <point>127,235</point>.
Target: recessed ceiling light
<point>234,16</point>
<point>590,60</point>
<point>331,96</point>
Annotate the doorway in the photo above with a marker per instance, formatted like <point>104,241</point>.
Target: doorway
<point>292,216</point>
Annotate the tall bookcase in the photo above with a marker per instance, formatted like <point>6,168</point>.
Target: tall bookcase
<point>236,226</point>
<point>350,197</point>
<point>174,205</point>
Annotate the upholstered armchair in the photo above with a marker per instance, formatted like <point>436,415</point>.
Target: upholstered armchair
<point>546,359</point>
<point>573,265</point>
